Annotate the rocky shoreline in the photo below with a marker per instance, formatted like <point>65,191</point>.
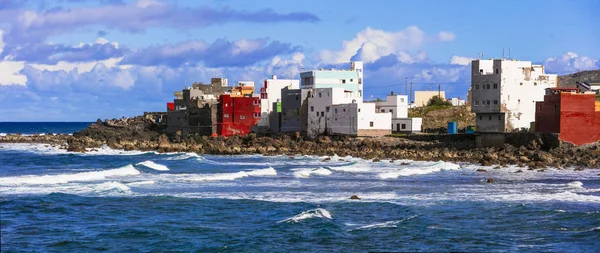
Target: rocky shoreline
<point>144,135</point>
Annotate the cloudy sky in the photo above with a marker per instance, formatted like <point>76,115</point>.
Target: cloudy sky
<point>79,60</point>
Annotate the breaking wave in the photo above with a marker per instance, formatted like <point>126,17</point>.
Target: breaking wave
<point>313,213</point>
<point>305,173</point>
<point>127,170</point>
<point>404,172</point>
<point>575,184</point>
<point>153,165</point>
<point>233,176</point>
<point>387,224</point>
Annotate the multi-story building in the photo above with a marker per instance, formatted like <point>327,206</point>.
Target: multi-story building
<point>504,93</point>
<point>574,116</point>
<point>194,108</point>
<point>270,93</point>
<point>347,79</point>
<point>397,105</point>
<point>237,115</point>
<point>244,88</point>
<point>423,97</point>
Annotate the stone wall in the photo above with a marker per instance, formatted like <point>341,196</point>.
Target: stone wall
<point>374,132</point>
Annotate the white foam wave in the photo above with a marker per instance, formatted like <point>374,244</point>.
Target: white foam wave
<point>419,170</point>
<point>127,170</point>
<point>575,184</point>
<point>313,213</point>
<point>184,156</point>
<point>305,173</point>
<point>148,182</point>
<point>154,166</point>
<point>233,176</point>
<point>387,224</point>
<point>109,186</point>
<point>2,134</point>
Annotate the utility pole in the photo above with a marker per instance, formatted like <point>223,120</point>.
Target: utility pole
<point>410,95</point>
<point>406,85</point>
<point>439,90</point>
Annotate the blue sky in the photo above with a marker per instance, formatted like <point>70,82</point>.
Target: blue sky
<point>78,60</point>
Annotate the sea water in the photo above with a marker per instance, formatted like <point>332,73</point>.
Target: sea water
<point>52,200</point>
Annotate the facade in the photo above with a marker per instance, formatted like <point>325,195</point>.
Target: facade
<point>422,97</point>
<point>457,102</point>
<point>292,110</point>
<point>574,116</point>
<point>348,79</point>
<point>271,93</point>
<point>407,125</point>
<point>194,108</point>
<point>588,87</point>
<point>504,92</point>
<point>237,115</point>
<point>398,106</point>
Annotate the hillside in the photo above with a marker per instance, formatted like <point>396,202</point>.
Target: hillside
<point>568,81</point>
<point>436,119</point>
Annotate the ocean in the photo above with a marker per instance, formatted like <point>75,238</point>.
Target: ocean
<point>110,200</point>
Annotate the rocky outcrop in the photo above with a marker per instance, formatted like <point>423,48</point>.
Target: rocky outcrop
<point>143,134</point>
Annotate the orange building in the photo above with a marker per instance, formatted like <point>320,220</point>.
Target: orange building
<point>243,89</point>
<point>574,116</point>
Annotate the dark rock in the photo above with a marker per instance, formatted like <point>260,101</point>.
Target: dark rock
<point>376,160</point>
<point>519,171</point>
<point>405,163</point>
<point>354,197</point>
<point>481,170</point>
<point>341,160</point>
<point>326,159</point>
<point>542,170</point>
<point>291,157</point>
<point>497,167</point>
<point>579,169</point>
<point>490,180</point>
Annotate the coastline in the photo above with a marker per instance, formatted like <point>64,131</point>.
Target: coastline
<point>145,136</point>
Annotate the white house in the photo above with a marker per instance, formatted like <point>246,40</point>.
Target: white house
<point>457,101</point>
<point>398,106</point>
<point>339,111</point>
<point>271,93</point>
<point>504,93</point>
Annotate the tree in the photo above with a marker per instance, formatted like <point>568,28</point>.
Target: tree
<point>438,101</point>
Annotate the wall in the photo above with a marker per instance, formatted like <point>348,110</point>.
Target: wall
<point>346,79</point>
<point>411,125</point>
<point>270,93</point>
<point>547,114</point>
<point>422,97</point>
<point>368,119</point>
<point>490,122</point>
<point>396,104</point>
<point>291,106</point>
<point>237,115</point>
<point>579,121</point>
<point>344,119</point>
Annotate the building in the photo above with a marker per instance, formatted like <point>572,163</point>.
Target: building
<point>504,93</point>
<point>457,102</point>
<point>347,79</point>
<point>574,116</point>
<point>237,115</point>
<point>423,97</point>
<point>293,110</point>
<point>244,88</point>
<point>271,93</point>
<point>588,87</point>
<point>194,108</point>
<point>407,125</point>
<point>398,106</point>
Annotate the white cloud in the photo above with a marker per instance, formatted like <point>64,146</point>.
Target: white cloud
<point>1,41</point>
<point>374,44</point>
<point>461,60</point>
<point>9,73</point>
<point>569,63</point>
<point>446,36</point>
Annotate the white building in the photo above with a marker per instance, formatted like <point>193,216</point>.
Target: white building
<point>271,93</point>
<point>398,106</point>
<point>504,93</point>
<point>340,111</point>
<point>457,102</point>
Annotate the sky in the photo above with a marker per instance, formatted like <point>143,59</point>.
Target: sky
<point>80,60</point>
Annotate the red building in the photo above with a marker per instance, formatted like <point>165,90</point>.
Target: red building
<point>237,115</point>
<point>574,116</point>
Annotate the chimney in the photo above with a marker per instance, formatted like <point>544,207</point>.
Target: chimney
<point>392,93</point>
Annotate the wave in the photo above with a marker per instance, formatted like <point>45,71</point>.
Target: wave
<point>109,186</point>
<point>233,176</point>
<point>184,156</point>
<point>313,213</point>
<point>419,170</point>
<point>575,184</point>
<point>149,182</point>
<point>305,173</point>
<point>387,224</point>
<point>153,165</point>
<point>127,170</point>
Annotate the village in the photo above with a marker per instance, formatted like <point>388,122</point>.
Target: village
<point>505,96</point>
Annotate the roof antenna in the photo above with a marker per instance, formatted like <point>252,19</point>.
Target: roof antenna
<point>509,54</point>
<point>502,53</point>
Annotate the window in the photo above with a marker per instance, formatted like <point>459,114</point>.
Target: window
<point>343,80</point>
<point>488,86</point>
<point>382,110</point>
<point>534,84</point>
<point>392,110</point>
<point>401,100</point>
<point>403,126</point>
<point>317,114</point>
<point>495,86</point>
<point>499,117</point>
<point>296,97</point>
<point>312,108</point>
<point>351,80</point>
<point>225,115</point>
<point>322,114</point>
<point>344,109</point>
<point>521,84</point>
<point>496,71</point>
<point>495,102</point>
<point>477,102</point>
<point>477,86</point>
<point>358,109</point>
<point>327,108</point>
<point>255,102</point>
<point>480,117</point>
<point>335,119</point>
<point>319,94</point>
<point>335,110</point>
<point>481,71</point>
<point>297,111</point>
<point>226,104</point>
<point>488,102</point>
<point>256,115</point>
<point>242,117</point>
<point>508,97</point>
<point>519,101</point>
<point>490,117</point>
<point>371,123</point>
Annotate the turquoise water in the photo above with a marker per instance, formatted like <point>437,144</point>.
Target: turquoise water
<point>128,201</point>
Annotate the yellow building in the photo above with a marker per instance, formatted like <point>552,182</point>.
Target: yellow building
<point>243,89</point>
<point>422,97</point>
